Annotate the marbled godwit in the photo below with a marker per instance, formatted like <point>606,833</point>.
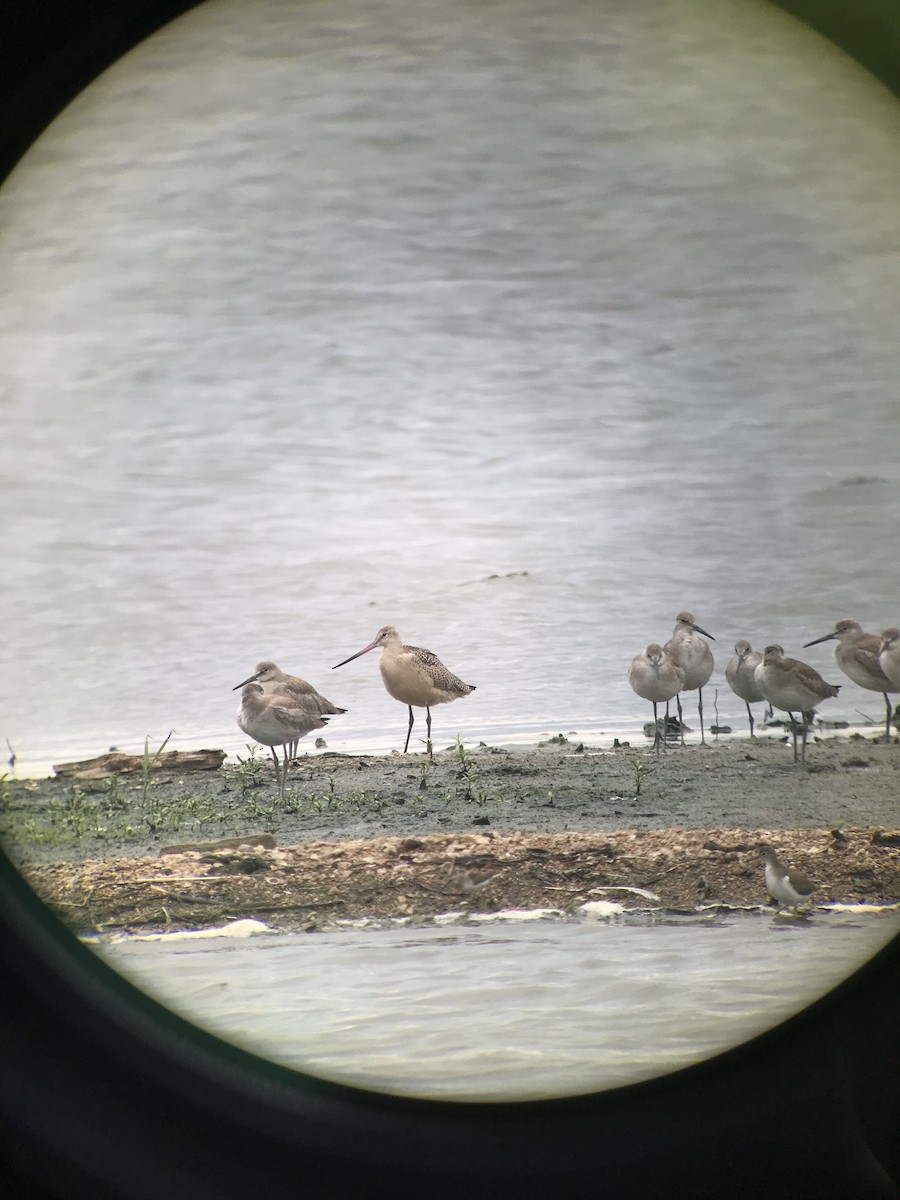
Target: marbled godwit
<point>789,889</point>
<point>740,677</point>
<point>654,675</point>
<point>856,653</point>
<point>415,677</point>
<point>695,658</point>
<point>302,693</point>
<point>273,719</point>
<point>889,654</point>
<point>792,686</point>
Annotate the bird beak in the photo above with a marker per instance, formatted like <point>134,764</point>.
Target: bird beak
<point>825,638</point>
<point>365,650</point>
<point>697,629</point>
<point>252,679</point>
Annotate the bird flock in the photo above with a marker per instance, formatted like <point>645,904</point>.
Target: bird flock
<point>685,663</point>
<point>278,709</point>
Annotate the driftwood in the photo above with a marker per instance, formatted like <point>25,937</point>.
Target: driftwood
<point>116,763</point>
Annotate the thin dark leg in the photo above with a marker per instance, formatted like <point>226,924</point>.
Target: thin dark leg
<point>700,710</point>
<point>887,719</point>
<point>428,734</point>
<point>409,730</point>
<point>750,716</point>
<point>794,733</point>
<point>277,767</point>
<point>680,722</point>
<point>666,729</point>
<point>807,720</point>
<point>284,770</point>
<point>655,729</point>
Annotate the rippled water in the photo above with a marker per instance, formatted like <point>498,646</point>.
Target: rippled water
<point>519,327</point>
<point>521,1011</point>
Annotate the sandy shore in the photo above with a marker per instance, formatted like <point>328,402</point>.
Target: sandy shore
<point>546,826</point>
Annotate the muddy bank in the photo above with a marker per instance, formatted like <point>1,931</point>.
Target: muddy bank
<point>551,788</point>
<point>479,829</point>
<point>315,885</point>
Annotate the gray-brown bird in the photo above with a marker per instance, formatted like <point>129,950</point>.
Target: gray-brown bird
<point>793,686</point>
<point>740,677</point>
<point>788,888</point>
<point>654,675</point>
<point>695,658</point>
<point>301,693</point>
<point>273,719</point>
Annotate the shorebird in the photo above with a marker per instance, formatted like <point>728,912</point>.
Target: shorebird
<point>889,654</point>
<point>302,693</point>
<point>792,686</point>
<point>694,657</point>
<point>856,653</point>
<point>740,677</point>
<point>415,677</point>
<point>654,675</point>
<point>789,889</point>
<point>273,719</point>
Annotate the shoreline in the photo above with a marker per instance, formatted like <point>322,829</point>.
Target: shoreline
<point>551,822</point>
<point>450,878</point>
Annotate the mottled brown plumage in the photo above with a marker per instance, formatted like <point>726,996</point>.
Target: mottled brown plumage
<point>412,675</point>
<point>793,686</point>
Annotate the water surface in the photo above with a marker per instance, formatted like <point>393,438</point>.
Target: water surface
<point>521,327</point>
<point>520,1011</point>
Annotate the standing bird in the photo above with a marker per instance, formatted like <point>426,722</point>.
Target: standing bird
<point>889,654</point>
<point>740,677</point>
<point>792,686</point>
<point>789,889</point>
<point>274,719</point>
<point>415,677</point>
<point>856,653</point>
<point>654,675</point>
<point>694,657</point>
<point>300,692</point>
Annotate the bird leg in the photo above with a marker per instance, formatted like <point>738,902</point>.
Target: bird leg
<point>284,770</point>
<point>793,733</point>
<point>277,768</point>
<point>680,722</point>
<point>409,730</point>
<point>807,721</point>
<point>700,711</point>
<point>750,716</point>
<point>666,730</point>
<point>428,734</point>
<point>887,719</point>
<point>655,728</point>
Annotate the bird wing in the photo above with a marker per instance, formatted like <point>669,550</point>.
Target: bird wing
<point>290,716</point>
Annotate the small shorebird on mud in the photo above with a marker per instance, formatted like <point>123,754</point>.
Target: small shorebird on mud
<point>274,719</point>
<point>793,686</point>
<point>889,655</point>
<point>695,658</point>
<point>856,653</point>
<point>654,675</point>
<point>300,692</point>
<point>415,677</point>
<point>788,888</point>
<point>739,675</point>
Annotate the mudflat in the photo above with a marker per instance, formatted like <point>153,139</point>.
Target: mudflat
<point>478,829</point>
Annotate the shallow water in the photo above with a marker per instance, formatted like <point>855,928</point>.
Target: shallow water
<point>505,1010</point>
<point>521,328</point>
